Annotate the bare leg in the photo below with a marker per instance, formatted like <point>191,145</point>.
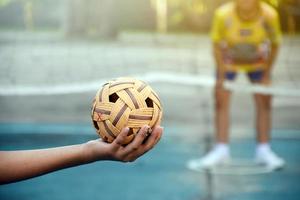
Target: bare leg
<point>220,154</point>
<point>264,153</point>
<point>222,100</point>
<point>263,117</point>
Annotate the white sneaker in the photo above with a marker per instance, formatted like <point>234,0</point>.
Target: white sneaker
<point>214,158</point>
<point>270,160</point>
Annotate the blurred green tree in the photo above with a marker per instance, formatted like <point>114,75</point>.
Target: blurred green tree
<point>291,10</point>
<point>4,2</point>
<point>191,14</point>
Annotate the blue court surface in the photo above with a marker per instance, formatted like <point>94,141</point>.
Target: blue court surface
<point>161,174</point>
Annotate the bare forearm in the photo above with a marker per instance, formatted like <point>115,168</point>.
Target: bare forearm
<point>19,165</point>
<point>219,61</point>
<point>272,58</point>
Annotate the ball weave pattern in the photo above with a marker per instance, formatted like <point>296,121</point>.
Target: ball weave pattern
<point>125,102</point>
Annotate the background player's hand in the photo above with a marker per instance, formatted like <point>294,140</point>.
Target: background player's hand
<point>220,78</point>
<point>99,150</point>
<point>266,79</point>
<point>220,84</point>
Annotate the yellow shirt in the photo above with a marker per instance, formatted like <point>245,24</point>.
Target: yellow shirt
<point>245,44</point>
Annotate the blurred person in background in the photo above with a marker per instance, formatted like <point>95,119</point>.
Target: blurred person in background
<point>246,36</point>
<point>24,164</point>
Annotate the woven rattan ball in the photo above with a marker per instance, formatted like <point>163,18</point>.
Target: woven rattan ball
<point>125,102</point>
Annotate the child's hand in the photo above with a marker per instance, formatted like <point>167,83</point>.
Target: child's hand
<point>99,150</point>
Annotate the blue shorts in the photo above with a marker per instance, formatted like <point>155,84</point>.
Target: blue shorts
<point>255,76</point>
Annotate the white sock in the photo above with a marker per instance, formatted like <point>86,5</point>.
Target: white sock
<point>222,148</point>
<point>262,148</point>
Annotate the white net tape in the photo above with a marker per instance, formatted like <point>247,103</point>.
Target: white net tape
<point>153,77</point>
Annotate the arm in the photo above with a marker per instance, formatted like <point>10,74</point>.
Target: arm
<point>269,65</point>
<point>220,64</point>
<point>20,165</point>
<point>274,33</point>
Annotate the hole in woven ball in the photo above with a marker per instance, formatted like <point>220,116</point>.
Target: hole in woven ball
<point>96,124</point>
<point>149,102</point>
<point>113,97</point>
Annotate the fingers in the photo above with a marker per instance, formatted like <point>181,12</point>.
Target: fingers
<point>219,87</point>
<point>120,138</point>
<point>154,138</point>
<point>138,146</point>
<point>149,144</point>
<point>138,140</point>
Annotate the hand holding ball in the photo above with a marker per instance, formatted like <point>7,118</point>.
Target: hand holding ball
<point>125,102</point>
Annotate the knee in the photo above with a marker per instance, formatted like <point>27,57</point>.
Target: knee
<point>221,102</point>
<point>264,102</point>
<point>267,105</point>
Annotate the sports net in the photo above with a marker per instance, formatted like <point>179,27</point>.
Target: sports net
<point>44,72</point>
